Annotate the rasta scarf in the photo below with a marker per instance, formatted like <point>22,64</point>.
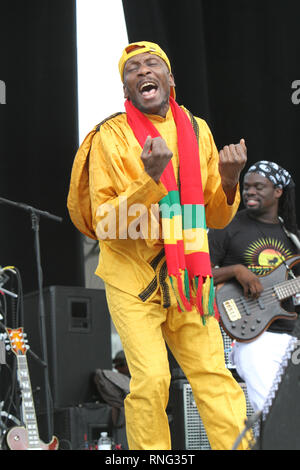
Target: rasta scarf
<point>182,215</point>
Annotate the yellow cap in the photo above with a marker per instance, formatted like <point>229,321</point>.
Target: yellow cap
<point>140,47</point>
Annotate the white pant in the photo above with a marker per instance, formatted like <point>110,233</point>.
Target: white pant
<point>257,363</point>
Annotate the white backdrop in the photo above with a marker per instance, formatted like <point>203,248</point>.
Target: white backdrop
<point>101,38</point>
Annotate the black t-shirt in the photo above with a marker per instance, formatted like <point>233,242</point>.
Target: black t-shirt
<point>257,245</point>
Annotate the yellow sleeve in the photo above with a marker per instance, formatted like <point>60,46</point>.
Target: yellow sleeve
<point>218,212</point>
<point>119,186</point>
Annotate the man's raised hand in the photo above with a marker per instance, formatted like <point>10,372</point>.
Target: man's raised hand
<point>155,157</point>
<point>232,160</point>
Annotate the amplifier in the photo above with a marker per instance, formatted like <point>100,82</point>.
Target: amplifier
<point>79,426</point>
<point>186,426</point>
<point>227,349</point>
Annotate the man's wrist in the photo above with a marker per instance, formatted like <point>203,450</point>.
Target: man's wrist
<point>230,192</point>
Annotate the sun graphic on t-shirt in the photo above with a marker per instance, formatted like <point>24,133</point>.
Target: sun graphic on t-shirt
<point>263,255</point>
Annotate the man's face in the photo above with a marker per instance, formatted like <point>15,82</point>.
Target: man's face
<point>259,194</point>
<point>147,83</point>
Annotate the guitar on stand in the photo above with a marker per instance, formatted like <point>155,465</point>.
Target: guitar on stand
<point>25,437</point>
<point>246,319</point>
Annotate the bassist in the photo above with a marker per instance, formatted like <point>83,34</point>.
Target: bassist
<point>258,240</point>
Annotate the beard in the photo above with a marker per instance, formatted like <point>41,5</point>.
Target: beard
<point>255,211</point>
<point>159,108</point>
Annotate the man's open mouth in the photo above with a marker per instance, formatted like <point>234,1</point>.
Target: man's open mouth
<point>148,89</point>
<point>252,202</point>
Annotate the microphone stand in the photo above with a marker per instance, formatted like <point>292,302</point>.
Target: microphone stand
<point>35,219</point>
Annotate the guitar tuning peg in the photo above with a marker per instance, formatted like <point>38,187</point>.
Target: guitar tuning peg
<point>27,346</point>
<point>7,347</point>
<point>25,335</point>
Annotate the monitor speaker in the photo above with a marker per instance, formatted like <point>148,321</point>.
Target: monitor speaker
<point>78,331</point>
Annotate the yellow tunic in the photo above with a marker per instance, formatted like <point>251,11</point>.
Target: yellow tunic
<point>107,168</point>
<point>116,174</point>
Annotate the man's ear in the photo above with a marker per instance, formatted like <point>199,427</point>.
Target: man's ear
<point>172,80</point>
<point>125,91</point>
<point>278,192</point>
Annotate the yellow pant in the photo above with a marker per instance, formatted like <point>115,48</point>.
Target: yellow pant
<point>198,349</point>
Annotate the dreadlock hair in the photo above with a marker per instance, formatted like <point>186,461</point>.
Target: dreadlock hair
<point>287,208</point>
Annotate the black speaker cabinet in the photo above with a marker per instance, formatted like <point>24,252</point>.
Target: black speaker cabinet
<point>78,342</point>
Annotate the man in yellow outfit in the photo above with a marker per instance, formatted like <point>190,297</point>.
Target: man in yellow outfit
<point>134,179</point>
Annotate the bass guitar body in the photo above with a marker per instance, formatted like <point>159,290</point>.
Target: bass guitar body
<point>244,319</point>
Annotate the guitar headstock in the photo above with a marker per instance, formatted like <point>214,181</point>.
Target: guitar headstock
<point>17,341</point>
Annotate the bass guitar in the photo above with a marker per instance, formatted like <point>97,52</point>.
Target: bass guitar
<point>25,437</point>
<point>244,319</point>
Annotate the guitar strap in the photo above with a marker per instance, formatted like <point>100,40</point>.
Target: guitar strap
<point>291,235</point>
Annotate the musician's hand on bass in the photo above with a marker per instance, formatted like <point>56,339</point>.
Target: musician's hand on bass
<point>249,281</point>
